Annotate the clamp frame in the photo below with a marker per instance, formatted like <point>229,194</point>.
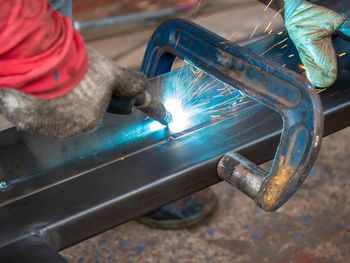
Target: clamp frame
<point>284,91</point>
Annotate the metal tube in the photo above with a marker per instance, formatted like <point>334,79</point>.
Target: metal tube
<point>118,20</point>
<point>241,173</point>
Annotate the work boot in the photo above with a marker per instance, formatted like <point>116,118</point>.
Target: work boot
<point>186,212</point>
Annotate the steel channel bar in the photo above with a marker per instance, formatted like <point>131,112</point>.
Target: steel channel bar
<point>30,250</point>
<point>105,197</point>
<point>98,200</point>
<point>95,200</point>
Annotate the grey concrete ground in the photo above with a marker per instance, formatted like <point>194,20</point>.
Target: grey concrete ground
<point>314,226</point>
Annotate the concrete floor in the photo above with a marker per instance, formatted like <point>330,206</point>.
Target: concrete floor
<point>314,226</point>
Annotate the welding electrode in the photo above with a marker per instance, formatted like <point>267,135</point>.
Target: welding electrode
<point>153,108</point>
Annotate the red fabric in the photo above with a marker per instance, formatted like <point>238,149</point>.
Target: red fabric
<point>40,52</point>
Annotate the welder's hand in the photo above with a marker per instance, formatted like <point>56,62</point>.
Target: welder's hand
<point>79,110</point>
<point>311,28</point>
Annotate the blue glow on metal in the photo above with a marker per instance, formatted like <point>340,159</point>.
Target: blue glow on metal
<point>156,126</point>
<point>194,98</point>
<point>180,116</point>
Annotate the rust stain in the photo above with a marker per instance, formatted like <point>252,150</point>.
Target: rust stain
<point>240,169</point>
<point>276,186</point>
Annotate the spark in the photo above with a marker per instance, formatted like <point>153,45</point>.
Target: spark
<point>320,90</point>
<point>229,39</point>
<point>178,39</point>
<point>342,54</point>
<point>270,48</point>
<point>268,27</point>
<point>197,8</point>
<point>268,5</point>
<point>301,67</point>
<point>194,98</point>
<point>232,35</point>
<point>254,31</point>
<point>282,41</point>
<point>292,55</point>
<point>267,50</point>
<point>279,12</point>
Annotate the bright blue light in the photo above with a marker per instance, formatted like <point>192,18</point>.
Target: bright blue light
<point>194,98</point>
<point>180,117</point>
<point>156,126</point>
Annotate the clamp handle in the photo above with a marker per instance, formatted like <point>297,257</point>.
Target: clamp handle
<point>278,88</point>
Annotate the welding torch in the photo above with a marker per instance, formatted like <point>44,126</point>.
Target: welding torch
<point>146,103</point>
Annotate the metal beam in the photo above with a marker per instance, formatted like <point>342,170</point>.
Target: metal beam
<point>94,192</point>
<point>30,250</point>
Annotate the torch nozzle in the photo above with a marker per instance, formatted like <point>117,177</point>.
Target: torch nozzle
<point>153,108</point>
<point>167,119</point>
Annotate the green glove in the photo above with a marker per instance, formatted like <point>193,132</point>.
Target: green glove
<point>311,28</point>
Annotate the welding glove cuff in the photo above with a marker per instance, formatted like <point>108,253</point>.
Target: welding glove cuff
<point>79,110</point>
<point>311,28</point>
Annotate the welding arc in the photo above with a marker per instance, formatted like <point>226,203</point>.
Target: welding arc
<point>153,108</point>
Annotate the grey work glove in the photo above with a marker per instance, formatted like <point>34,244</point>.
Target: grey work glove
<point>311,28</point>
<point>79,110</point>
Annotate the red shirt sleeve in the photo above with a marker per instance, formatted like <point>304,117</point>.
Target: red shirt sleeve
<point>40,52</point>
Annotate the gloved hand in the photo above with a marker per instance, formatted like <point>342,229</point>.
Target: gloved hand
<point>50,83</point>
<point>311,28</point>
<point>79,110</point>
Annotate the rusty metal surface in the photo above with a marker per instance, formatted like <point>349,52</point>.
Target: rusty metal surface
<point>241,173</point>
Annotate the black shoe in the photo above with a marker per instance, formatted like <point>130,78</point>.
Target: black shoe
<point>186,212</point>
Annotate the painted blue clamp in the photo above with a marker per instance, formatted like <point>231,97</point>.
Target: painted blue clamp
<point>284,91</point>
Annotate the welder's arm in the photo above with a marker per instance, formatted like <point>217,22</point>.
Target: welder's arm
<point>56,112</point>
<point>311,28</point>
<point>77,111</point>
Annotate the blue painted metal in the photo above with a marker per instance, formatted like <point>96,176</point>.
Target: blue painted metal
<point>280,89</point>
<point>62,6</point>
